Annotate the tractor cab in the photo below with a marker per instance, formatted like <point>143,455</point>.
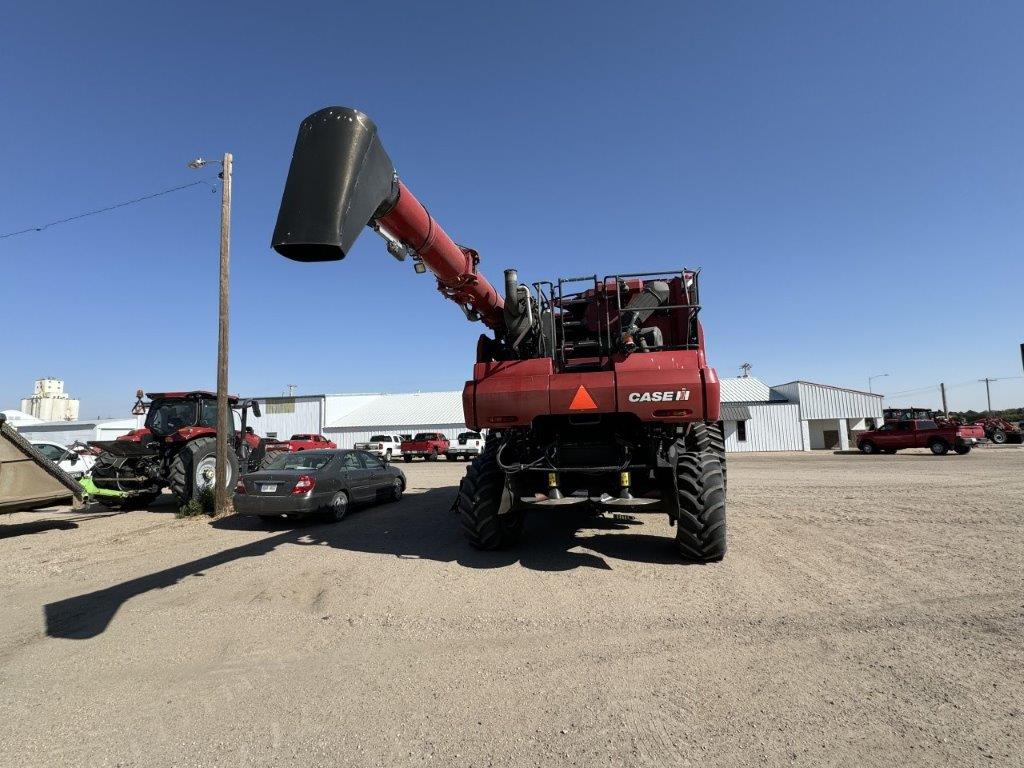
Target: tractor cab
<point>185,414</point>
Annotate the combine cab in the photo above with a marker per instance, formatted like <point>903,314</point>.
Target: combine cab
<point>175,450</point>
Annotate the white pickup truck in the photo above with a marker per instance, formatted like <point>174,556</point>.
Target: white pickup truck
<point>385,446</point>
<point>468,445</point>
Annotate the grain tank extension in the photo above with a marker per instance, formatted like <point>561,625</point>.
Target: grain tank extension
<point>595,391</point>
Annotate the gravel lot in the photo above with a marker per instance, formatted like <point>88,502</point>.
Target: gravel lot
<point>869,612</point>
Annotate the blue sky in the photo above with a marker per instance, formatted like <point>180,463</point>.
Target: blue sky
<point>848,176</point>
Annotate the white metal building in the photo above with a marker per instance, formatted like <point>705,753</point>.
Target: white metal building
<point>283,417</point>
<point>830,415</point>
<point>400,414</point>
<point>67,432</point>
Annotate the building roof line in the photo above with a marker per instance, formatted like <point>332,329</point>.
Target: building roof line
<point>829,386</point>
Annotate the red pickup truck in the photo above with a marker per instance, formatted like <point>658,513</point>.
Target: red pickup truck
<point>309,443</point>
<point>428,445</point>
<point>939,437</point>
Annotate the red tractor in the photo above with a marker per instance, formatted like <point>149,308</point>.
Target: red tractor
<point>1000,431</point>
<point>175,450</point>
<point>594,391</point>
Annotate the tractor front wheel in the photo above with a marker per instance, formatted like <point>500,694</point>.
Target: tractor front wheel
<point>998,436</point>
<point>479,501</point>
<point>195,466</point>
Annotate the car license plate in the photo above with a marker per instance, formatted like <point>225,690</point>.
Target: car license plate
<point>265,488</point>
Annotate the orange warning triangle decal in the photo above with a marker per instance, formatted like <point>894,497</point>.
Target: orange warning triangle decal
<point>582,401</point>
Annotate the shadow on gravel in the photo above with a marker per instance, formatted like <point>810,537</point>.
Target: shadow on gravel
<point>421,527</point>
<point>35,526</point>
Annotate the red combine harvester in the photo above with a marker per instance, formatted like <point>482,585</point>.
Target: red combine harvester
<point>176,449</point>
<point>596,391</point>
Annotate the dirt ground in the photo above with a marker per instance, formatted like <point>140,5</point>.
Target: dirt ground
<point>869,612</point>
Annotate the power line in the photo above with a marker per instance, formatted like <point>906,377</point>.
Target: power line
<point>108,208</point>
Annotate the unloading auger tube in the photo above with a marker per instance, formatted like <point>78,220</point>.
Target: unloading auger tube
<point>342,180</point>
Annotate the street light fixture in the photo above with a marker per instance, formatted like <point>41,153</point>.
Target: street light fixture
<point>225,425</point>
<point>872,378</point>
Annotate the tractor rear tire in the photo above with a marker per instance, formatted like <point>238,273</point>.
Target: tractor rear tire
<point>700,527</point>
<point>181,473</point>
<point>479,500</point>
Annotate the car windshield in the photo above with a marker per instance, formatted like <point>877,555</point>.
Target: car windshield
<point>168,416</point>
<point>424,436</point>
<point>52,452</point>
<point>380,439</point>
<point>303,460</point>
<point>469,436</point>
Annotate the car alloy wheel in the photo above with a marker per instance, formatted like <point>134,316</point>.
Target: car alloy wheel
<point>339,507</point>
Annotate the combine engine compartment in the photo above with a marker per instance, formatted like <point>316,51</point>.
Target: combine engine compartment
<point>594,391</point>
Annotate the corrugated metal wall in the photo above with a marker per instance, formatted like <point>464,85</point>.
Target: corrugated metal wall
<point>286,416</point>
<point>771,427</point>
<point>59,435</point>
<point>820,402</point>
<point>82,431</point>
<point>346,437</point>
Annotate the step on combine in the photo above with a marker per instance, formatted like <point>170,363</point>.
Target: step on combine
<point>594,390</point>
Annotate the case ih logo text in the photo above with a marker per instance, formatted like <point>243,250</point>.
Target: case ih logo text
<point>658,397</point>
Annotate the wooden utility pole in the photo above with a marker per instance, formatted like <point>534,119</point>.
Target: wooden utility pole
<point>942,387</point>
<point>225,422</point>
<point>988,392</point>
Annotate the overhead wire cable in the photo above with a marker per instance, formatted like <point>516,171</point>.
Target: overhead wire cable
<point>133,201</point>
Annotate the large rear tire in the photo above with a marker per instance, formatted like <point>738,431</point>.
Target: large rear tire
<point>700,527</point>
<point>709,437</point>
<point>193,466</point>
<point>479,501</point>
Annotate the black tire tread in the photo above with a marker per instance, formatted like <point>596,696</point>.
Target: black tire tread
<point>179,475</point>
<point>700,528</point>
<point>478,503</point>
